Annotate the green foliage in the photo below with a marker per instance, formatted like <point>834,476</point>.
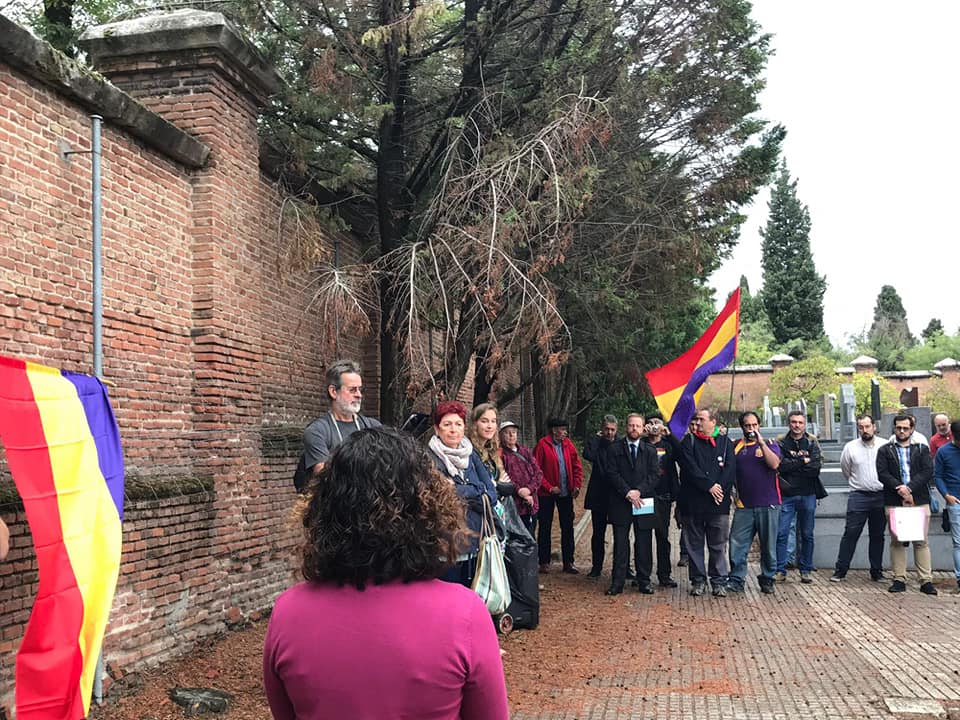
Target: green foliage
<point>937,348</point>
<point>792,288</point>
<point>804,380</point>
<point>889,336</point>
<point>862,389</point>
<point>933,329</point>
<point>941,398</point>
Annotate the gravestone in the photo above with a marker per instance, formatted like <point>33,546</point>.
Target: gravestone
<point>848,413</point>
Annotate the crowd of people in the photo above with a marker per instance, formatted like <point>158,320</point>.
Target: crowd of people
<point>391,530</point>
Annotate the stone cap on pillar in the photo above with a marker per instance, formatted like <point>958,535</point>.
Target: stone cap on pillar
<point>182,31</point>
<point>781,360</point>
<point>947,365</point>
<point>864,364</point>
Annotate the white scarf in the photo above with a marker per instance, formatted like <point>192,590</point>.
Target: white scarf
<point>455,459</point>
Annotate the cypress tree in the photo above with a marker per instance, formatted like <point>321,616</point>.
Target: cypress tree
<point>792,289</point>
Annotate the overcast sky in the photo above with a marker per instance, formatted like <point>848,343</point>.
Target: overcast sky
<point>868,94</point>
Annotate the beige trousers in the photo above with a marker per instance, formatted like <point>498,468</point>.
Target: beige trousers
<point>921,553</point>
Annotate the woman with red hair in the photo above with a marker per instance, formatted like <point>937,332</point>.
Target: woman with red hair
<point>454,457</point>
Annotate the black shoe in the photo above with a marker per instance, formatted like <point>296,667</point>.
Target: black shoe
<point>837,576</point>
<point>735,588</point>
<point>897,586</point>
<point>877,576</point>
<point>631,575</point>
<point>928,589</point>
<point>645,590</point>
<point>682,562</point>
<point>766,589</point>
<point>720,591</point>
<point>571,569</point>
<point>594,573</point>
<point>667,582</point>
<point>613,590</point>
<point>698,589</point>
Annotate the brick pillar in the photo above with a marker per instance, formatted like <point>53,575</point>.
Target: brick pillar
<point>195,69</point>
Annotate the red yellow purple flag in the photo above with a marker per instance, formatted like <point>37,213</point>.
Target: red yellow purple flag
<point>63,449</point>
<point>676,386</point>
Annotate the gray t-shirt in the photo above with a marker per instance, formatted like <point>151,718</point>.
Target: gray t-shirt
<point>325,433</point>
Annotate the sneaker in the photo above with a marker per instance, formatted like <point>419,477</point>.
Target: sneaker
<point>837,577</point>
<point>780,577</point>
<point>682,562</point>
<point>698,589</point>
<point>735,588</point>
<point>928,589</point>
<point>806,578</point>
<point>897,586</point>
<point>766,589</point>
<point>667,583</point>
<point>720,591</point>
<point>571,569</point>
<point>877,576</point>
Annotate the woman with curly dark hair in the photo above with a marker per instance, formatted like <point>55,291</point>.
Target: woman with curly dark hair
<point>372,633</point>
<point>454,456</point>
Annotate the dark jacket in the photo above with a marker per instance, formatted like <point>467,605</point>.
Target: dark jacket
<point>624,475</point>
<point>704,464</point>
<point>921,473</point>
<point>471,488</point>
<point>598,490</point>
<point>668,481</point>
<point>796,476</point>
<point>524,473</point>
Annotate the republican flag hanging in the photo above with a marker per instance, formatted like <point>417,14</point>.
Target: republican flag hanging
<point>63,449</point>
<point>677,385</point>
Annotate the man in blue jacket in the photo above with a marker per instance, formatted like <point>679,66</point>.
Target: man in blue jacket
<point>946,472</point>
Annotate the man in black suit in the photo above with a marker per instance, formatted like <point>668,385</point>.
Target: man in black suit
<point>598,491</point>
<point>632,469</point>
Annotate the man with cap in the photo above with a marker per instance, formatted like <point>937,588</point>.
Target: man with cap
<point>562,477</point>
<point>523,471</point>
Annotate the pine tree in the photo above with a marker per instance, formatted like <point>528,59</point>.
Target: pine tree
<point>933,329</point>
<point>792,289</point>
<point>889,335</point>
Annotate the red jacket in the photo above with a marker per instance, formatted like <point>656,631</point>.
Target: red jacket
<point>546,457</point>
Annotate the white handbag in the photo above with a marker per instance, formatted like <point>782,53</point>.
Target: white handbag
<point>490,581</point>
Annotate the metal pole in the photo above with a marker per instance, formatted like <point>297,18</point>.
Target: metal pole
<point>96,209</point>
<point>96,213</point>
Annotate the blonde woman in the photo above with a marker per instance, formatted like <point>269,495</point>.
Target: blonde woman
<point>483,433</point>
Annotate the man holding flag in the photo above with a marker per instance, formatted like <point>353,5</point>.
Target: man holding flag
<point>706,460</point>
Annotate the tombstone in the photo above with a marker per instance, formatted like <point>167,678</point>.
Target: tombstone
<point>848,413</point>
<point>825,416</point>
<point>909,397</point>
<point>923,416</point>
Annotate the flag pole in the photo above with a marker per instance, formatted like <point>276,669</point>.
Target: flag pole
<point>733,376</point>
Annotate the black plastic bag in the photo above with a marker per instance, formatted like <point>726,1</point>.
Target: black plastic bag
<point>523,568</point>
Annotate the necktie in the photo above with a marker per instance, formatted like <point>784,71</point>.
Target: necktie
<point>633,453</point>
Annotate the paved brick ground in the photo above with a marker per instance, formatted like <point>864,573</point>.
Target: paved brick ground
<point>826,650</point>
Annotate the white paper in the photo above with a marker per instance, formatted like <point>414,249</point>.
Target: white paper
<point>908,523</point>
<point>646,507</point>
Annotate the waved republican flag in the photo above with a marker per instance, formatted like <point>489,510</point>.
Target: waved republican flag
<point>676,386</point>
<point>63,449</point>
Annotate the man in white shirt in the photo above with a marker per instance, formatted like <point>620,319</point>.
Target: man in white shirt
<point>858,463</point>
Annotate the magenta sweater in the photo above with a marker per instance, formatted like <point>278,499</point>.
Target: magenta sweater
<point>423,651</point>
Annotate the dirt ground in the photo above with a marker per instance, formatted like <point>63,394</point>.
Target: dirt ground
<point>538,664</point>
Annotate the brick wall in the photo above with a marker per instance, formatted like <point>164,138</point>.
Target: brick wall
<point>215,364</point>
